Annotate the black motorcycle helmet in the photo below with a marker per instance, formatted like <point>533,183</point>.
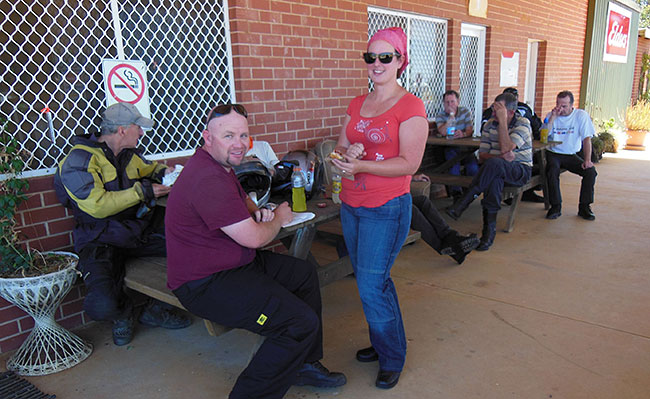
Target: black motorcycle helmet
<point>308,162</point>
<point>255,179</point>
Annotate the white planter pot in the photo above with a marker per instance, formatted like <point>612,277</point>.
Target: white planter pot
<point>49,348</point>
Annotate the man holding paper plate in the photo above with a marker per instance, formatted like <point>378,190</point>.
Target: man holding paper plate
<point>214,268</point>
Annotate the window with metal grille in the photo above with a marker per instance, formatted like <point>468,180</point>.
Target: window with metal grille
<point>427,52</point>
<point>472,60</point>
<point>51,53</point>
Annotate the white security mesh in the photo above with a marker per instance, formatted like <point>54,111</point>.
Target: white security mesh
<point>185,46</point>
<point>426,72</point>
<point>51,52</point>
<point>472,65</point>
<point>469,46</point>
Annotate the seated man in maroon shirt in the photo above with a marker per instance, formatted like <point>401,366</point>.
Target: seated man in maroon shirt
<point>213,267</point>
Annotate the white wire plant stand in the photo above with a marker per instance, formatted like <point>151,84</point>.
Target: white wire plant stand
<point>49,348</point>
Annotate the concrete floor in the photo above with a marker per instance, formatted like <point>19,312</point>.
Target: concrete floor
<point>556,309</point>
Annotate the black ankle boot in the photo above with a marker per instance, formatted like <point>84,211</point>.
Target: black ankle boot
<point>457,209</point>
<point>489,230</point>
<point>458,246</point>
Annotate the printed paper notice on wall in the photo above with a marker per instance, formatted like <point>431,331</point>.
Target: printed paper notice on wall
<point>509,68</point>
<point>477,8</point>
<point>617,34</point>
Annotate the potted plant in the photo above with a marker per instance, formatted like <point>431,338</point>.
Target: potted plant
<point>35,282</point>
<point>607,138</point>
<point>637,123</point>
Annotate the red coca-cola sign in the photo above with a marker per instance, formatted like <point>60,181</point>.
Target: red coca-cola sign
<point>618,33</point>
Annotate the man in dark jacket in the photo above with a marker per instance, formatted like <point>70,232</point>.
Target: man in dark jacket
<point>111,189</point>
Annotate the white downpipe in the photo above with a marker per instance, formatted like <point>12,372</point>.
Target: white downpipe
<point>231,71</point>
<point>117,27</point>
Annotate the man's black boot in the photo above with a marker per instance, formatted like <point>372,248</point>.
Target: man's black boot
<point>317,375</point>
<point>554,212</point>
<point>457,209</point>
<point>157,314</point>
<point>123,331</point>
<point>489,230</point>
<point>531,196</point>
<point>458,246</point>
<point>584,211</point>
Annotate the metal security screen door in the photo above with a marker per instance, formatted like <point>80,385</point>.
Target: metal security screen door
<point>51,52</point>
<point>472,66</point>
<point>531,73</point>
<point>427,52</point>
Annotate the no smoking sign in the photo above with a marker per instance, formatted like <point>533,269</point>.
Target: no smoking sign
<point>125,82</point>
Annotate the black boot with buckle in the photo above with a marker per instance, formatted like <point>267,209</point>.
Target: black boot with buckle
<point>489,230</point>
<point>458,246</point>
<point>123,331</point>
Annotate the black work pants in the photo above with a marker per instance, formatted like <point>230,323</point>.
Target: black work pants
<point>426,219</point>
<point>572,163</point>
<point>276,296</point>
<point>103,268</point>
<point>493,175</point>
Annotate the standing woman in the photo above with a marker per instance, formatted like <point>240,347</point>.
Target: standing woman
<point>382,141</point>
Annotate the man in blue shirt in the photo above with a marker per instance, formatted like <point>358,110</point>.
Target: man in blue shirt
<point>464,127</point>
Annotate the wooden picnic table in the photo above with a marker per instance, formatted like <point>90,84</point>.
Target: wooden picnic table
<point>468,145</point>
<point>148,275</point>
<point>298,238</point>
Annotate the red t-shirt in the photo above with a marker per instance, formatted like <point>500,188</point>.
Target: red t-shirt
<point>380,138</point>
<point>204,199</point>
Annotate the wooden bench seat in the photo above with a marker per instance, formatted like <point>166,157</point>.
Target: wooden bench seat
<point>508,191</point>
<point>148,275</point>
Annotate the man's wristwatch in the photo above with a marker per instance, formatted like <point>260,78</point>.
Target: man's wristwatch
<point>270,206</point>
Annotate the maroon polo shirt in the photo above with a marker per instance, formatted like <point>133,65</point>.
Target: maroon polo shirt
<point>205,198</point>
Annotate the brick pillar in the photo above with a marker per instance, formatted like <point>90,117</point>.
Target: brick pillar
<point>453,54</point>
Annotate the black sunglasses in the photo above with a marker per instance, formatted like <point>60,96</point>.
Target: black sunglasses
<point>224,109</point>
<point>384,58</point>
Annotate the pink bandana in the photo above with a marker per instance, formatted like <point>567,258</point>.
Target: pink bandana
<point>397,38</point>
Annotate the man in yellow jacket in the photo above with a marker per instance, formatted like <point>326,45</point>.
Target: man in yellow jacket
<point>111,189</point>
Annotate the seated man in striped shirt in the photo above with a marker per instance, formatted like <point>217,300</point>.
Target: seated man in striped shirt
<point>506,153</point>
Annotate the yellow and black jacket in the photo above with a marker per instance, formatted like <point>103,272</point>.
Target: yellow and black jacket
<point>104,191</point>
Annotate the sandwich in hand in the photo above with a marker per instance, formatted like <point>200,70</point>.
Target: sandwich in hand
<point>336,155</point>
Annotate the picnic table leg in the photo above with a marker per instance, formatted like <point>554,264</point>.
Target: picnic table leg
<point>301,242</point>
<point>513,211</point>
<point>542,173</point>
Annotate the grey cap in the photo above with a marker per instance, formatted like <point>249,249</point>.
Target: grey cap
<point>125,114</point>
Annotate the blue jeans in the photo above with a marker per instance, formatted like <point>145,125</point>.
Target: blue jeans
<point>470,162</point>
<point>493,175</point>
<point>374,237</point>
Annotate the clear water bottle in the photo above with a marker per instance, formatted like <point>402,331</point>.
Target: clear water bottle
<point>451,126</point>
<point>298,183</point>
<point>336,188</point>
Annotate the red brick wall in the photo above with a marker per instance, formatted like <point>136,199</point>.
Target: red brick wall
<point>560,25</point>
<point>643,48</point>
<point>297,64</point>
